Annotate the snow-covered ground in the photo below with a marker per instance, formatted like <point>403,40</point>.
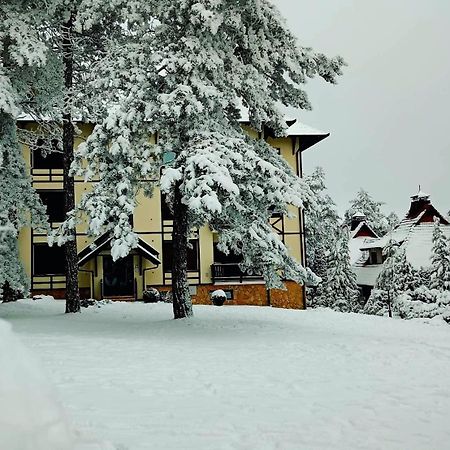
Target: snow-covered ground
<point>129,377</point>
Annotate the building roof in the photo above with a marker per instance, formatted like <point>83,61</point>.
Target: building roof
<point>310,136</point>
<point>103,242</point>
<point>415,233</point>
<point>367,275</point>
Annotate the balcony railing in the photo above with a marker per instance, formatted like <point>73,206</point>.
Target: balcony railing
<point>230,272</point>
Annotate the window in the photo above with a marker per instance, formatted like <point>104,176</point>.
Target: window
<point>192,256</point>
<point>48,260</point>
<point>375,257</point>
<point>221,258</point>
<point>54,201</point>
<point>166,214</point>
<point>53,158</point>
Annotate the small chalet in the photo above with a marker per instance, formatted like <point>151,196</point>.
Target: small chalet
<point>415,233</point>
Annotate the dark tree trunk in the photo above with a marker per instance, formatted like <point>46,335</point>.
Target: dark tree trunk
<point>72,290</point>
<point>182,303</point>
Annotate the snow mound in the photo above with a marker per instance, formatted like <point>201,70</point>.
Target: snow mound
<point>30,418</point>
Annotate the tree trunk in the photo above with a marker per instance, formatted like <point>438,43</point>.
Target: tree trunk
<point>72,290</point>
<point>182,303</point>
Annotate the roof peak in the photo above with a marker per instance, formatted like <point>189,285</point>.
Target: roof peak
<point>420,195</point>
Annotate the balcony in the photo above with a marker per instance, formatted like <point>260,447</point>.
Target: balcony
<point>230,272</point>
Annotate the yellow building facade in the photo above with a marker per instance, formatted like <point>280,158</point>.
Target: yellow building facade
<point>149,265</point>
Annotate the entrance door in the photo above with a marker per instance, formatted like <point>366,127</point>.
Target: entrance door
<point>118,277</point>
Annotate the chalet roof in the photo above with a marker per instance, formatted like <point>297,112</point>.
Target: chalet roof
<point>367,275</point>
<point>415,231</point>
<point>358,236</point>
<point>103,242</point>
<point>311,136</point>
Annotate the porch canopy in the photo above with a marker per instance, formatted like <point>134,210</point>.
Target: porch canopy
<point>103,242</point>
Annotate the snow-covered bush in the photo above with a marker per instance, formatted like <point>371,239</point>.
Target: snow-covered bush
<point>218,297</point>
<point>378,303</point>
<point>423,303</point>
<point>151,295</point>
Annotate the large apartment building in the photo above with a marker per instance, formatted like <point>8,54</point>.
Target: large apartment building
<point>149,265</point>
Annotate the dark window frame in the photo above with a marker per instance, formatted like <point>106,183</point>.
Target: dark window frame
<point>61,215</point>
<point>53,160</point>
<point>193,256</point>
<point>59,262</point>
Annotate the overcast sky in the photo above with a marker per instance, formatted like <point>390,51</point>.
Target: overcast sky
<point>389,115</point>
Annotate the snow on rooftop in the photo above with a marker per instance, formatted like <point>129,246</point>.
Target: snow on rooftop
<point>296,128</point>
<point>420,195</point>
<point>367,275</point>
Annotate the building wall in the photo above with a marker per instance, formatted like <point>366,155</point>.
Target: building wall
<point>154,230</point>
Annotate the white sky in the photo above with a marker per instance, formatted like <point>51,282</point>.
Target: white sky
<point>388,116</point>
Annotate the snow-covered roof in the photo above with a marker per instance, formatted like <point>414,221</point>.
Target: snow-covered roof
<point>415,233</point>
<point>367,275</point>
<point>103,242</point>
<point>295,128</point>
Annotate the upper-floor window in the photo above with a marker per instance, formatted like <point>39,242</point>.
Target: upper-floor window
<point>375,256</point>
<point>165,210</point>
<point>48,260</point>
<point>54,201</point>
<point>192,256</point>
<point>223,258</point>
<point>51,160</point>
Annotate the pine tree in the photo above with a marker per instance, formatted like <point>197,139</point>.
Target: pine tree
<point>322,223</point>
<point>322,229</point>
<point>364,203</point>
<point>385,290</point>
<point>184,72</point>
<point>21,81</point>
<point>392,220</point>
<point>70,37</point>
<point>341,291</point>
<point>406,278</point>
<point>440,259</point>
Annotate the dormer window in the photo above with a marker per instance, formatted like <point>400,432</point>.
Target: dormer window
<point>375,256</point>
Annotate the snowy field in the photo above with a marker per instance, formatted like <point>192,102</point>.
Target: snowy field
<point>129,377</point>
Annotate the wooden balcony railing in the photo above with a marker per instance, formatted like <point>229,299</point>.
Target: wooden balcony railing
<point>230,272</point>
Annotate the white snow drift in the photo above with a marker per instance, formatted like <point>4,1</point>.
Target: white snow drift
<point>239,377</point>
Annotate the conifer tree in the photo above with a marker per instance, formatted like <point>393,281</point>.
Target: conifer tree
<point>364,203</point>
<point>385,290</point>
<point>185,71</point>
<point>440,259</point>
<point>341,291</point>
<point>322,224</point>
<point>406,278</point>
<point>322,230</point>
<point>22,82</point>
<point>69,37</point>
<point>392,220</point>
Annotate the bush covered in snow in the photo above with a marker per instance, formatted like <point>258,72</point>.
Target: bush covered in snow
<point>151,295</point>
<point>218,297</point>
<point>423,303</point>
<point>377,304</point>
